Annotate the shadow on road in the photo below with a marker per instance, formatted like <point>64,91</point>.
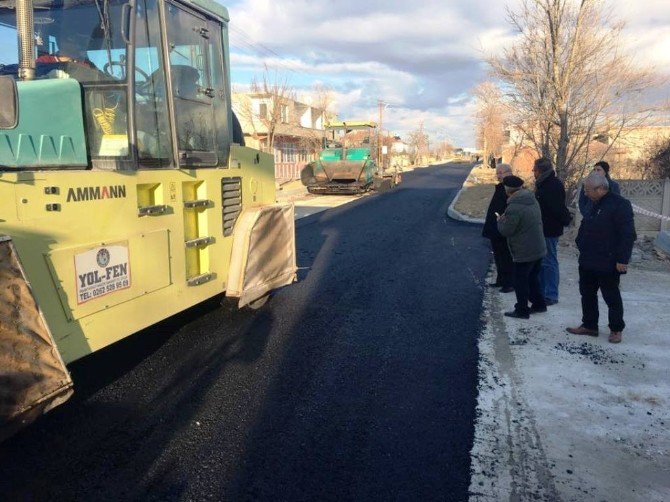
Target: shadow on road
<point>375,394</point>
<point>81,446</point>
<point>359,382</point>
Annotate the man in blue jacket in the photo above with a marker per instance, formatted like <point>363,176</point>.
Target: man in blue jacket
<point>605,241</point>
<point>550,194</point>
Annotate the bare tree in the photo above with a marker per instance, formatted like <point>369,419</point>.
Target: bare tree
<point>568,78</point>
<point>323,100</point>
<point>490,119</point>
<point>266,115</point>
<point>444,150</point>
<point>655,163</point>
<point>419,144</point>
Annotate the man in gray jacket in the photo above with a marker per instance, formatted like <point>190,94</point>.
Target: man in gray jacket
<point>521,224</point>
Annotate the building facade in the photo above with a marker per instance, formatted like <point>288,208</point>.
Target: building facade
<point>289,129</point>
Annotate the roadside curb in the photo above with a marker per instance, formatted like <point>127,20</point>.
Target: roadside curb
<point>455,215</point>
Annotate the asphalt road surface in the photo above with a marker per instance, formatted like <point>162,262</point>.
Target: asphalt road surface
<point>359,382</point>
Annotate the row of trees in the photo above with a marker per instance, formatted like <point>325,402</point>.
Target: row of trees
<point>564,80</point>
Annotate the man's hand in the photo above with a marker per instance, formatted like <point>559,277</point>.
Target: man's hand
<point>622,268</point>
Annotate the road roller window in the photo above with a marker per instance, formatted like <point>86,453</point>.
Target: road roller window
<point>84,40</point>
<point>192,89</point>
<point>9,50</point>
<point>154,138</point>
<point>221,100</point>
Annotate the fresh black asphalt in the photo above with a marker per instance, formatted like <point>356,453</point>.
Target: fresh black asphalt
<point>357,383</point>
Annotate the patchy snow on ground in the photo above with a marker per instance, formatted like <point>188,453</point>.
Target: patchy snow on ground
<point>565,417</point>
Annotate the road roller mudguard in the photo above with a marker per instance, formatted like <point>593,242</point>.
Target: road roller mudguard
<point>33,376</point>
<point>263,255</point>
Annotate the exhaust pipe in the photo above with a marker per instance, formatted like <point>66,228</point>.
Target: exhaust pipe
<point>26,34</point>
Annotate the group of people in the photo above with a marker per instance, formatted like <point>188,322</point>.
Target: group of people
<point>524,228</point>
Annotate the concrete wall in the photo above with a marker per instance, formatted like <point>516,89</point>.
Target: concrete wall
<point>652,195</point>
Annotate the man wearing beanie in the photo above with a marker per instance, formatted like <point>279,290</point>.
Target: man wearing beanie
<point>550,194</point>
<point>586,204</point>
<point>521,224</point>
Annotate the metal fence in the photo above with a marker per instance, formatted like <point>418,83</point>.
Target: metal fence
<point>288,170</point>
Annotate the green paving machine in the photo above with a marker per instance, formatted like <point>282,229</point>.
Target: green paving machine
<point>349,162</point>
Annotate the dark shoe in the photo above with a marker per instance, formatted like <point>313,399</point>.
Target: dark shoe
<point>550,301</point>
<point>537,310</point>
<point>517,315</point>
<point>581,330</point>
<point>507,289</point>
<point>493,284</point>
<point>615,337</point>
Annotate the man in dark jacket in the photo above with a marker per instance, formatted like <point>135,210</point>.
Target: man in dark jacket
<point>605,241</point>
<point>521,224</point>
<point>550,194</point>
<point>501,256</point>
<point>602,167</point>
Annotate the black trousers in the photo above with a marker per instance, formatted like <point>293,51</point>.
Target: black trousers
<point>503,261</point>
<point>527,286</point>
<point>608,283</point>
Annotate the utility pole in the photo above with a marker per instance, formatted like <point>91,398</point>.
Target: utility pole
<point>380,135</point>
<point>380,103</point>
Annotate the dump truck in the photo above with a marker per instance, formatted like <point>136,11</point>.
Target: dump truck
<point>126,192</point>
<point>348,163</point>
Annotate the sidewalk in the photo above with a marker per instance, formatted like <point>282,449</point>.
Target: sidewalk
<point>292,190</point>
<point>307,204</point>
<point>562,417</point>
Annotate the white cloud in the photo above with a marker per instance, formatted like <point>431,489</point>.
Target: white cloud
<point>423,57</point>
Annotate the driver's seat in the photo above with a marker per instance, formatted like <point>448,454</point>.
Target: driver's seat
<point>185,81</point>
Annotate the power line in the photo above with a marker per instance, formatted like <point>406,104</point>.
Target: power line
<point>261,50</point>
<point>251,41</point>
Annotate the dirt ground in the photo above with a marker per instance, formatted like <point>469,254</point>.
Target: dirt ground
<point>474,200</point>
<point>478,190</point>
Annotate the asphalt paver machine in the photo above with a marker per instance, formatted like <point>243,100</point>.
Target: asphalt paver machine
<point>348,163</point>
<point>126,194</point>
